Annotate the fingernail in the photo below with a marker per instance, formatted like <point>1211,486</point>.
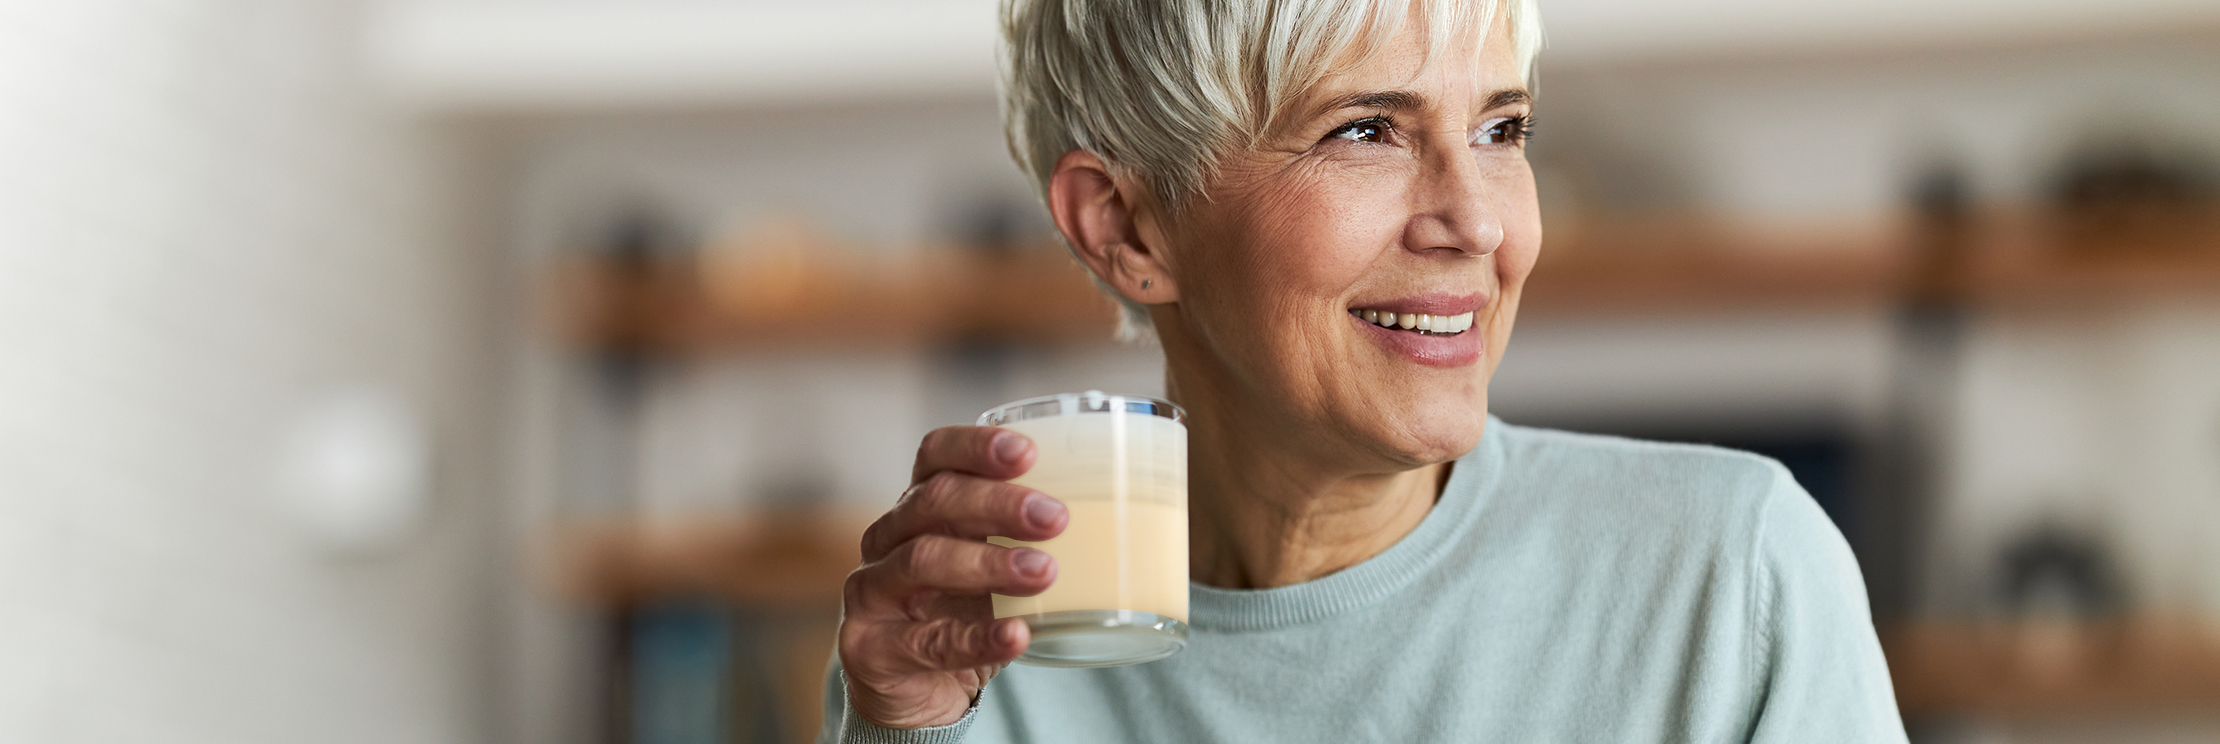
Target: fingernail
<point>1041,510</point>
<point>1030,562</point>
<point>1008,448</point>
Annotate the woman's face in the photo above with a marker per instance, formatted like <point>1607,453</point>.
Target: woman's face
<point>1396,189</point>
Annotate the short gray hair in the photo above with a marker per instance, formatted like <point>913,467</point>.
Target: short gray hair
<point>1159,89</point>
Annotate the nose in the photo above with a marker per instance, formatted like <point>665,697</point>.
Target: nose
<point>1451,208</point>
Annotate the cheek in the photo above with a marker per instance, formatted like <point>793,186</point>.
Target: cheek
<point>1514,261</point>
<point>1520,210</point>
<point>1313,238</point>
<point>1272,269</point>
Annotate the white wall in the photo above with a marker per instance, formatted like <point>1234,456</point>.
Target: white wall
<point>203,223</point>
<point>1845,134</point>
<point>598,54</point>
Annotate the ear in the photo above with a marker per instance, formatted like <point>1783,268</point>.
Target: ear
<point>1104,221</point>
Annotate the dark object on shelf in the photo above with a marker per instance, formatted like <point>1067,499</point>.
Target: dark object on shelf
<point>1941,191</point>
<point>2132,172</point>
<point>2133,194</point>
<point>995,229</point>
<point>2057,572</point>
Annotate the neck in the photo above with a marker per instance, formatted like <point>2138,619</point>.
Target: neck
<point>1267,512</point>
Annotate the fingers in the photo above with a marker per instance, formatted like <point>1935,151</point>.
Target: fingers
<point>930,545</point>
<point>959,505</point>
<point>985,451</point>
<point>939,563</point>
<point>940,645</point>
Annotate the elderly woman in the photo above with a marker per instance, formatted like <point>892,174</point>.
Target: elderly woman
<point>1323,210</point>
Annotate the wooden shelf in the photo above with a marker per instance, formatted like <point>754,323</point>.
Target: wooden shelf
<point>2030,258</point>
<point>678,307</point>
<point>2139,666</point>
<point>1609,266</point>
<point>1673,263</point>
<point>794,560</point>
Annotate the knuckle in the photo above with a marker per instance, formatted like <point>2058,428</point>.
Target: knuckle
<point>936,440</point>
<point>874,537</point>
<point>940,643</point>
<point>994,563</point>
<point>921,555</point>
<point>853,637</point>
<point>910,496</point>
<point>939,492</point>
<point>853,589</point>
<point>863,649</point>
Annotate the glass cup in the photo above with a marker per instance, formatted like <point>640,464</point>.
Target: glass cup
<point>1119,463</point>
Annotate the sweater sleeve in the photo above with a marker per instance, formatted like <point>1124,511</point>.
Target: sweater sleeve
<point>1821,673</point>
<point>842,725</point>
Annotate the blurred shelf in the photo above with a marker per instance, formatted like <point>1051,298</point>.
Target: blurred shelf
<point>2138,666</point>
<point>1624,265</point>
<point>2038,258</point>
<point>794,560</point>
<point>1993,259</point>
<point>1039,298</point>
<point>2003,259</point>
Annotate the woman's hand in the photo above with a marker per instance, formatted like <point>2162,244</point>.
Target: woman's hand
<point>918,638</point>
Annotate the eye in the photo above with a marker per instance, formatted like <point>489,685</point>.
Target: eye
<point>1369,129</point>
<point>1512,131</point>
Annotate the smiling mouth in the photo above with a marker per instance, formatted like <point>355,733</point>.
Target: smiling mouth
<point>1419,323</point>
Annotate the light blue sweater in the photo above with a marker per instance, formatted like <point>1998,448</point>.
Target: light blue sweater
<point>1565,588</point>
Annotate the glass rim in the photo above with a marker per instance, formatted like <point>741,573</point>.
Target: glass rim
<point>1092,401</point>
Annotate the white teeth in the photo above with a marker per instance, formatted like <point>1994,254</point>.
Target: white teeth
<point>1436,324</point>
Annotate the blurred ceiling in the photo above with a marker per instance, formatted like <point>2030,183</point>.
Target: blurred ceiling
<point>477,55</point>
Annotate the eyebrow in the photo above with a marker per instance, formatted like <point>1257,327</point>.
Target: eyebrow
<point>1380,99</point>
<point>1507,97</point>
<point>1406,100</point>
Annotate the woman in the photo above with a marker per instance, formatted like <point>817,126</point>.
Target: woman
<point>1324,212</point>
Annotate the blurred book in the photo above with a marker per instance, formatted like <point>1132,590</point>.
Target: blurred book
<point>681,675</point>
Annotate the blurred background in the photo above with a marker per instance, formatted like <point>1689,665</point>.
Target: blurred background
<point>522,370</point>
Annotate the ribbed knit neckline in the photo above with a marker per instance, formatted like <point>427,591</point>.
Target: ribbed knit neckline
<point>1470,484</point>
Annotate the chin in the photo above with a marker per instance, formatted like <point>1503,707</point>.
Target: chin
<point>1436,431</point>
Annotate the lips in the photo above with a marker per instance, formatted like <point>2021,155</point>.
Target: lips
<point>1431,330</point>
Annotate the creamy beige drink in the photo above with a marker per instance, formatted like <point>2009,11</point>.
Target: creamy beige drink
<point>1120,594</point>
<point>1098,569</point>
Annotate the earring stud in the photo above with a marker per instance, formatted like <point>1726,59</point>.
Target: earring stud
<point>1145,284</point>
